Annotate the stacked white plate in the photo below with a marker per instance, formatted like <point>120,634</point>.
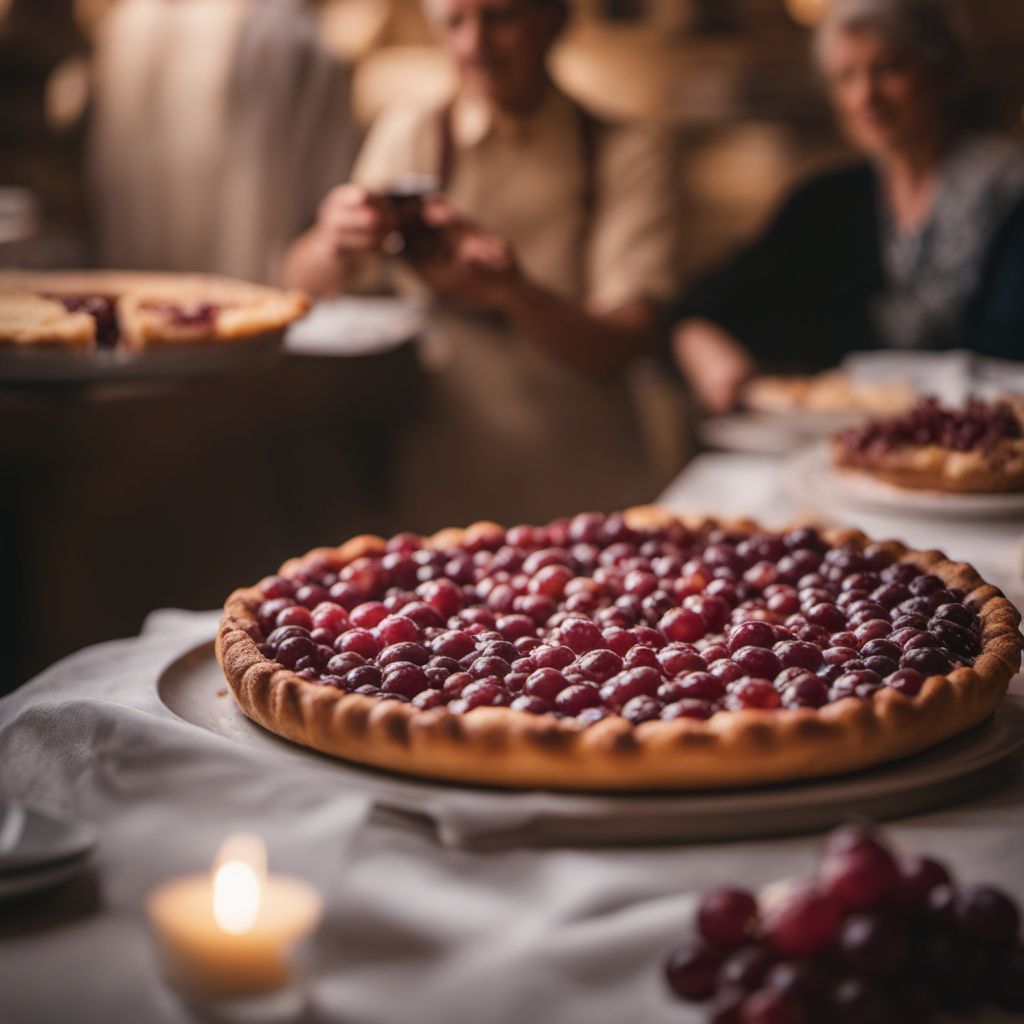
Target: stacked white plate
<point>38,851</point>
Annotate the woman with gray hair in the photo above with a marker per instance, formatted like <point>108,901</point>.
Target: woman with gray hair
<point>919,245</point>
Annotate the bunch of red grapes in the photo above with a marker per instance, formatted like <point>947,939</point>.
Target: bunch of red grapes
<point>874,938</point>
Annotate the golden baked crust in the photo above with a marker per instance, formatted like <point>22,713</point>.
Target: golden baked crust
<point>502,747</point>
<point>930,467</point>
<point>31,312</point>
<point>828,392</point>
<point>30,319</point>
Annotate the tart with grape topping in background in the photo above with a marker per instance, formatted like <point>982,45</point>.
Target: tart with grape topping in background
<point>628,652</point>
<point>86,310</point>
<point>978,449</point>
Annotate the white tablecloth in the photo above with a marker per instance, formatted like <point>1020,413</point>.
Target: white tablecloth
<point>413,931</point>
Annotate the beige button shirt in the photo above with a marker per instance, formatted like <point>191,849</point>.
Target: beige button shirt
<point>513,434</point>
<point>526,179</point>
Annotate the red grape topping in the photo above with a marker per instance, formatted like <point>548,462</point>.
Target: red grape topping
<point>979,426</point>
<point>878,938</point>
<point>102,308</point>
<point>589,617</point>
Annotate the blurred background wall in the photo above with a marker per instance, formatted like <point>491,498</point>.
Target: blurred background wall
<point>731,76</point>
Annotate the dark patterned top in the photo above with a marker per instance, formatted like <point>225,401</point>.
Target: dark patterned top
<point>828,276</point>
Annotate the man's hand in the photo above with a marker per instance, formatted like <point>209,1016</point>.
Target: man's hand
<point>353,220</point>
<point>476,268</point>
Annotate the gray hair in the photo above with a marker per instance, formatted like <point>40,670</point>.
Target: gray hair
<point>930,30</point>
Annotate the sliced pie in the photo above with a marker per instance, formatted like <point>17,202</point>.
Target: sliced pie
<point>976,449</point>
<point>627,652</point>
<point>108,309</point>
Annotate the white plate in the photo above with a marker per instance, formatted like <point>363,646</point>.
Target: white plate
<point>772,433</point>
<point>810,474</point>
<point>194,689</point>
<point>31,839</point>
<point>52,366</point>
<point>354,325</point>
<point>760,433</point>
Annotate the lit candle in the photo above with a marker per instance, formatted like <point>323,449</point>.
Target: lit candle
<point>233,932</point>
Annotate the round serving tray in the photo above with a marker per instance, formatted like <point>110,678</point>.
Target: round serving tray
<point>60,368</point>
<point>810,473</point>
<point>194,689</point>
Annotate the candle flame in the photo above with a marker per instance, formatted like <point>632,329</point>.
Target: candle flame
<point>239,874</point>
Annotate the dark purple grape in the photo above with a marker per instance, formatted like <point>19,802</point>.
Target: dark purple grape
<point>574,699</point>
<point>751,634</point>
<point>403,677</point>
<point>807,691</point>
<point>757,662</point>
<point>746,967</point>
<point>807,980</point>
<point>404,651</point>
<point>292,650</point>
<point>534,705</point>
<point>872,944</point>
<point>929,661</point>
<point>691,972</point>
<point>838,655</point>
<point>987,915</point>
<point>918,877</point>
<point>802,923</point>
<point>956,613</point>
<point>907,681</point>
<point>956,638</point>
<point>881,648</point>
<point>798,654</point>
<point>641,709</point>
<point>862,874</point>
<point>726,918</point>
<point>921,586</point>
<point>769,1006</point>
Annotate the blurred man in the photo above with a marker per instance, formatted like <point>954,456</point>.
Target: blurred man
<point>564,225</point>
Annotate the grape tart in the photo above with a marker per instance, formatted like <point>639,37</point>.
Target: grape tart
<point>978,449</point>
<point>107,310</point>
<point>630,652</point>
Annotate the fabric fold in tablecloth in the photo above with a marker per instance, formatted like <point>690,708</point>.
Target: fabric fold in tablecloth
<point>89,739</point>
